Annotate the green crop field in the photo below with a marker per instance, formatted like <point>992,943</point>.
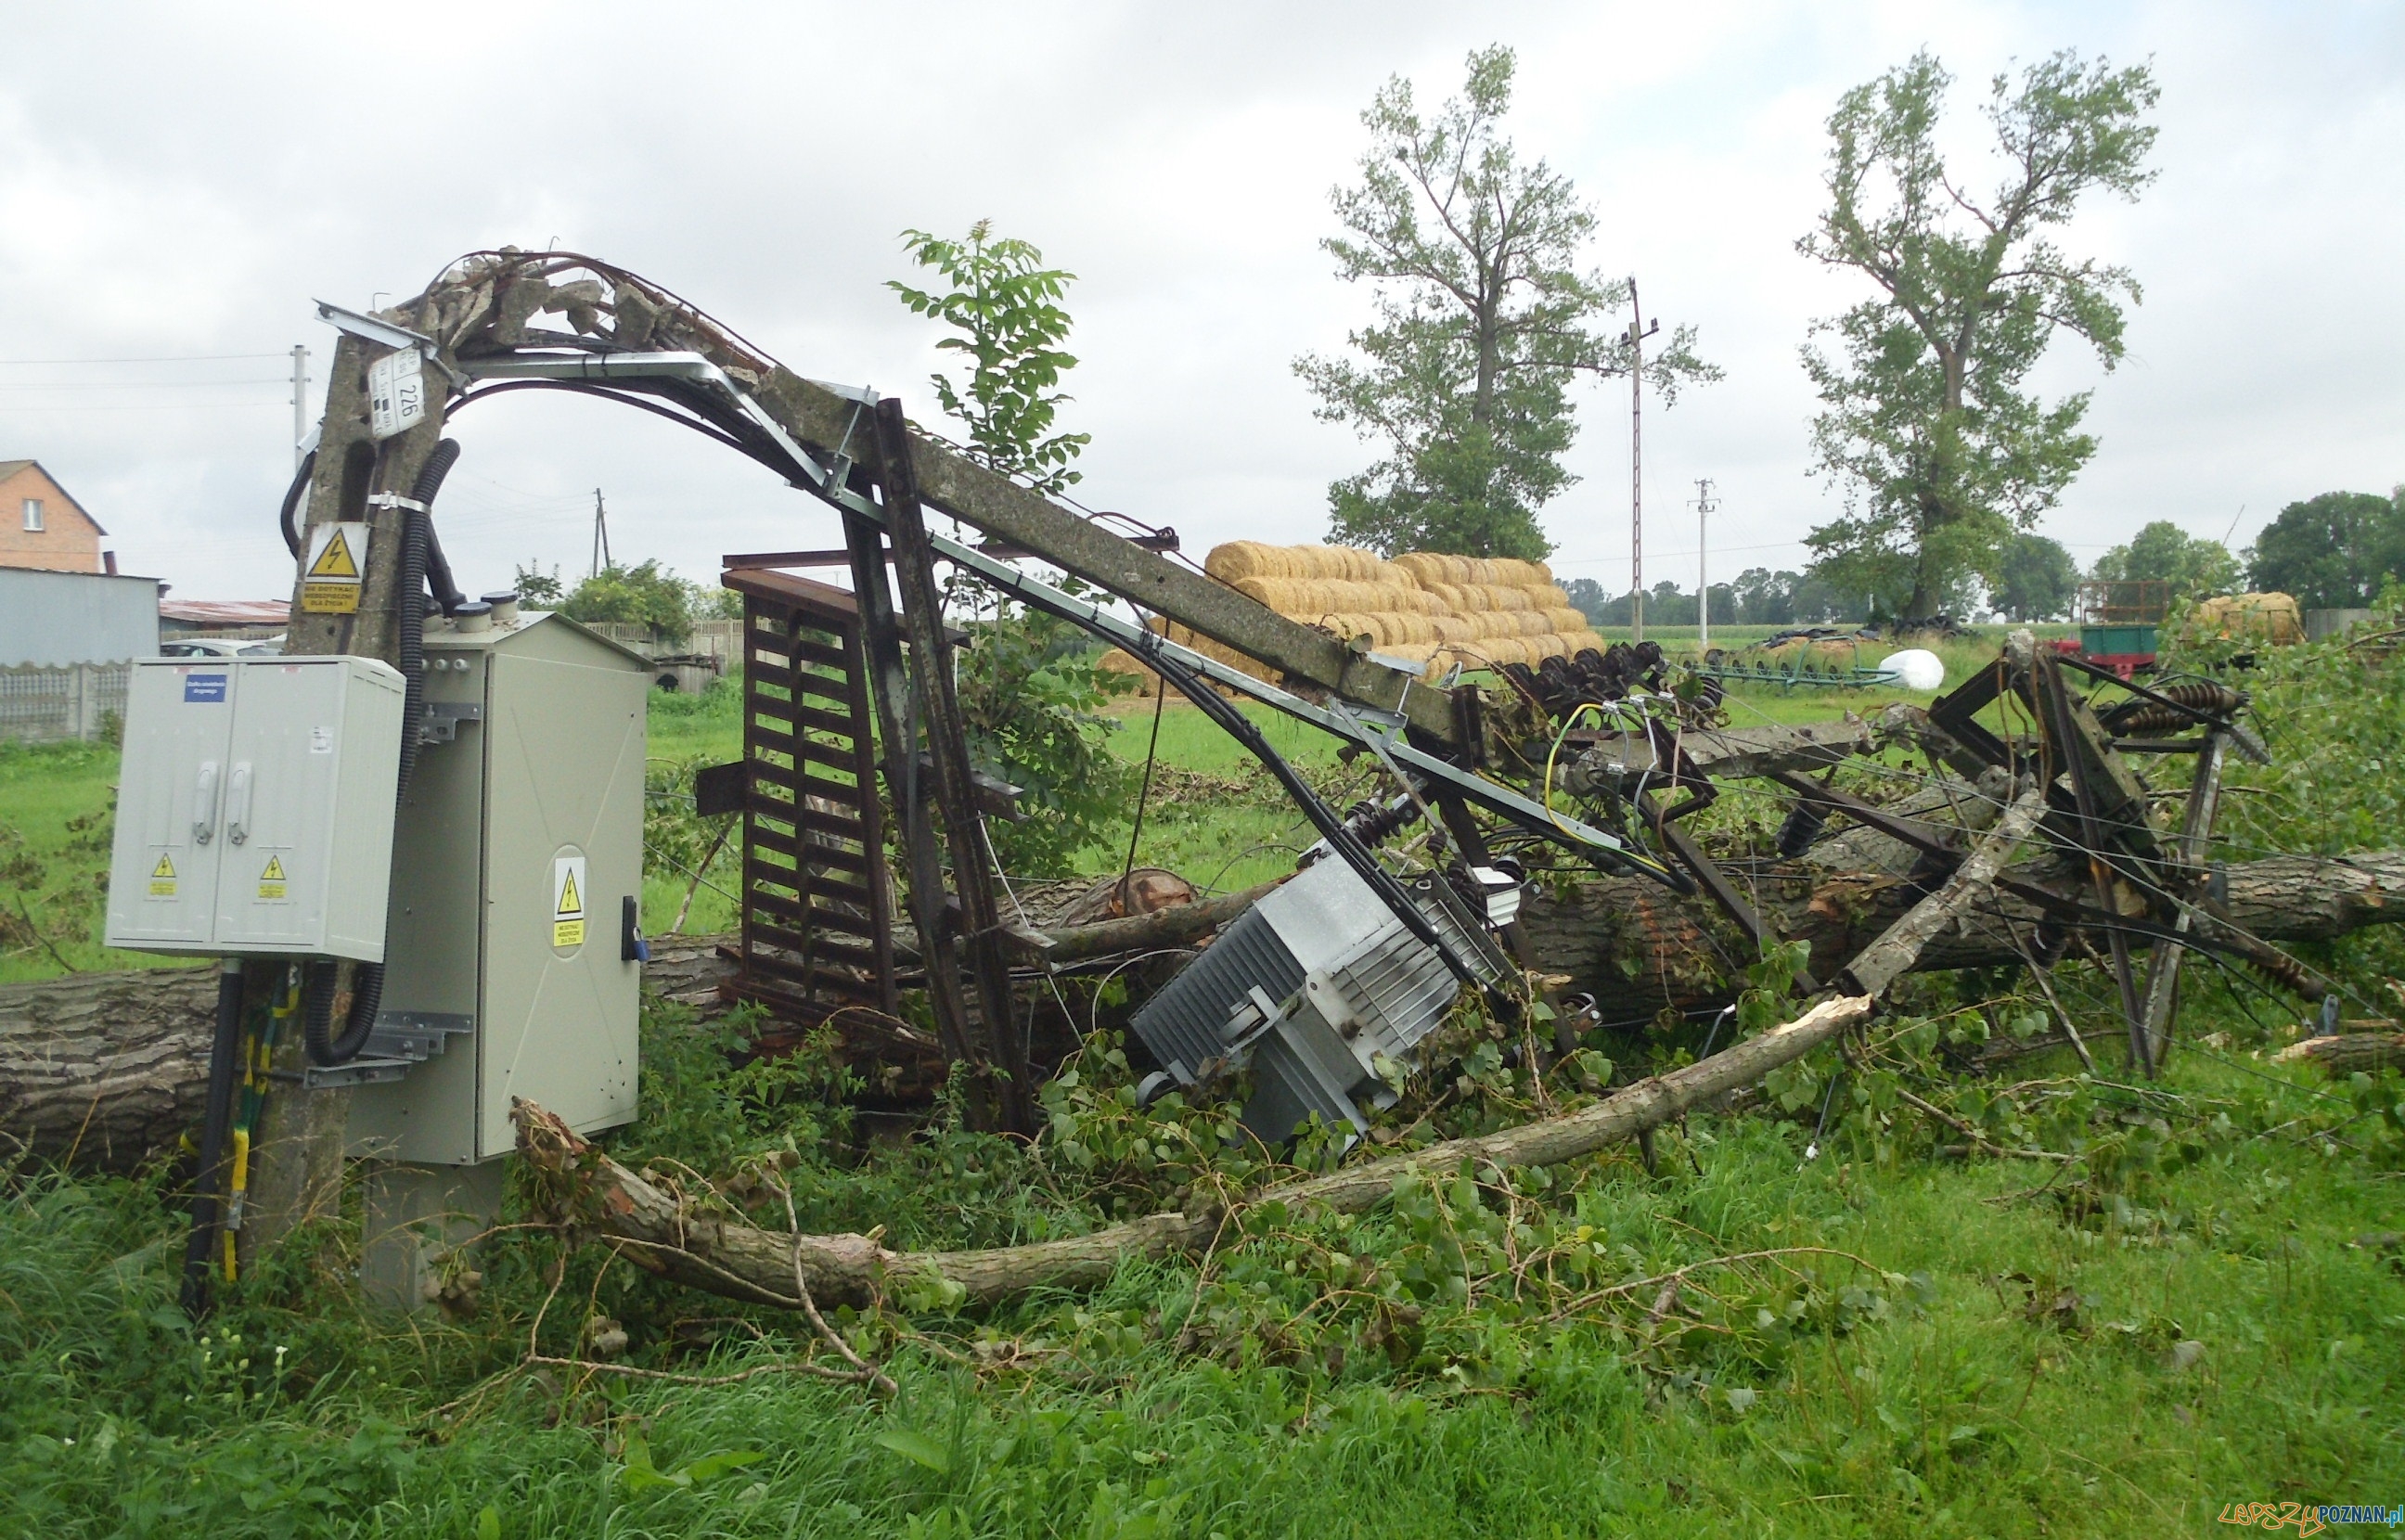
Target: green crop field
<point>2172,1298</point>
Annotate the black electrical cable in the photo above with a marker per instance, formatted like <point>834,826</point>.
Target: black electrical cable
<point>225,1056</point>
<point>437,574</point>
<point>289,521</point>
<point>367,986</point>
<point>587,388</point>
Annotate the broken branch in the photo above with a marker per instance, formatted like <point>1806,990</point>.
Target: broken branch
<point>709,1252</point>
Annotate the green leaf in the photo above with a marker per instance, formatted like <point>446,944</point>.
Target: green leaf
<point>916,1447</point>
<point>488,1523</point>
<point>711,1467</point>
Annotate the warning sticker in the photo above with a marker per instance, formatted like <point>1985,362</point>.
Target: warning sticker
<point>162,878</point>
<point>270,881</point>
<point>329,586</point>
<point>568,901</point>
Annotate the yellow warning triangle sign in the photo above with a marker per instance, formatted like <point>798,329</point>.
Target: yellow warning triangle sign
<point>335,560</point>
<point>165,869</point>
<point>275,872</point>
<point>570,901</point>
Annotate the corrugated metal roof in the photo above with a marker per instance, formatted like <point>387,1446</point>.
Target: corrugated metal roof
<point>227,611</point>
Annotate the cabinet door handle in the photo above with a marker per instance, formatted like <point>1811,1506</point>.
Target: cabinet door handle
<point>204,802</point>
<point>238,801</point>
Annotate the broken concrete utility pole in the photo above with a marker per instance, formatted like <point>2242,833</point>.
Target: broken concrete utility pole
<point>369,454</point>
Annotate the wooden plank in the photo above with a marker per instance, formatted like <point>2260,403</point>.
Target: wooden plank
<point>850,860</point>
<point>799,921</point>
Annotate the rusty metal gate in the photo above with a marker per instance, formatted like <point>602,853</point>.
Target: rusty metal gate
<point>817,906</point>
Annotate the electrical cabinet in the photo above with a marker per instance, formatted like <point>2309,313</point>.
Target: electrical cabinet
<point>518,871</point>
<point>255,807</point>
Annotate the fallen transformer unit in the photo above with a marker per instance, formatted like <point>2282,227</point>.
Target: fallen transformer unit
<point>1323,994</point>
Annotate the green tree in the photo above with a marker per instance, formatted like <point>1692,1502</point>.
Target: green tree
<point>1484,322</point>
<point>647,596</point>
<point>538,589</point>
<point>2190,567</point>
<point>2036,579</point>
<point>1928,423</point>
<point>1030,689</point>
<point>1005,303</point>
<point>2333,551</point>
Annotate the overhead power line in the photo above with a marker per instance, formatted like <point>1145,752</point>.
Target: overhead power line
<point>165,359</point>
<point>136,385</point>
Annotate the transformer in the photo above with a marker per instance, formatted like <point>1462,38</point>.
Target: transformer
<point>1323,992</point>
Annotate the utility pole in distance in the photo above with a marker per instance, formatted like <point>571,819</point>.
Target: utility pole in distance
<point>299,403</point>
<point>1704,506</point>
<point>1638,332</point>
<point>600,536</point>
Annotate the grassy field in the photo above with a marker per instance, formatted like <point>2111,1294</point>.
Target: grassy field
<point>2192,1296</point>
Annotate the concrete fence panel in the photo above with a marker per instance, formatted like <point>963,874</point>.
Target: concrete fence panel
<point>78,701</point>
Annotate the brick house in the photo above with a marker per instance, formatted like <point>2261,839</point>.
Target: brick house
<point>41,526</point>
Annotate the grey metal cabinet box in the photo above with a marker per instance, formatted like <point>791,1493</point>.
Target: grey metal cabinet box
<point>520,837</point>
<point>255,807</point>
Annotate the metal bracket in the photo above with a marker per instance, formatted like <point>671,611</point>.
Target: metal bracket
<point>384,333</point>
<point>442,720</point>
<point>416,1035</point>
<point>358,1071</point>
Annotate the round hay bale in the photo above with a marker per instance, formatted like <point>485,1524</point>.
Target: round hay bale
<point>1120,661</point>
<point>1236,559</point>
<point>1504,596</point>
<point>1452,628</point>
<point>1548,596</point>
<point>1565,619</point>
<point>1521,574</point>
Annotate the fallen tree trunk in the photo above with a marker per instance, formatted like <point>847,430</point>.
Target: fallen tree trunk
<point>108,1067</point>
<point>1638,948</point>
<point>1178,924</point>
<point>2342,1053</point>
<point>584,1188</point>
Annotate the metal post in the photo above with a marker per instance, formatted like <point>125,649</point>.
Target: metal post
<point>299,402</point>
<point>1703,563</point>
<point>898,734</point>
<point>1635,466</point>
<point>601,556</point>
<point>922,621</point>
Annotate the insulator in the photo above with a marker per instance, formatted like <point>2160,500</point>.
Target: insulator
<point>2278,968</point>
<point>1374,825</point>
<point>1803,825</point>
<point>2144,716</point>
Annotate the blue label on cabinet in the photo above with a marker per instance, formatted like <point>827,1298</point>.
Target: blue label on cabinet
<point>204,689</point>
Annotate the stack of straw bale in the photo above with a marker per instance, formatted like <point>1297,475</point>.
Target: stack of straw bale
<point>1424,608</point>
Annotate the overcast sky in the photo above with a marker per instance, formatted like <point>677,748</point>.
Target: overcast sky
<point>177,182</point>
